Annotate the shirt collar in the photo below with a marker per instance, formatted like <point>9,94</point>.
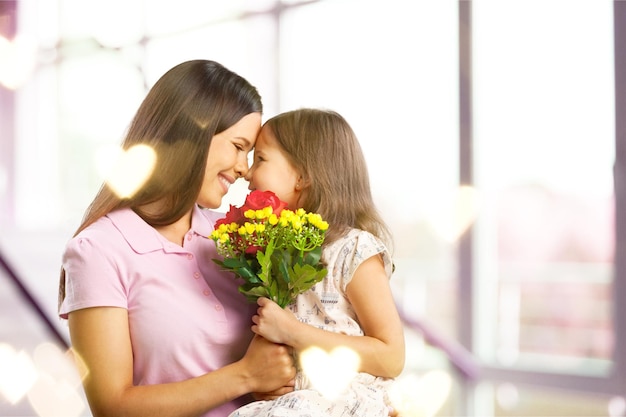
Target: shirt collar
<point>144,238</point>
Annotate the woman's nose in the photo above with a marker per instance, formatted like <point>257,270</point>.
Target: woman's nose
<point>241,169</point>
<point>248,176</point>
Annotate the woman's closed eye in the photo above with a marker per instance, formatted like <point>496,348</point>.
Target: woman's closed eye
<point>242,144</point>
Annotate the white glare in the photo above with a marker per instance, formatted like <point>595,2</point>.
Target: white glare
<point>127,171</point>
<point>415,396</point>
<point>330,373</point>
<point>17,373</point>
<point>18,58</point>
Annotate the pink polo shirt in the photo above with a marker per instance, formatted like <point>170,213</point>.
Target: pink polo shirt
<point>186,316</point>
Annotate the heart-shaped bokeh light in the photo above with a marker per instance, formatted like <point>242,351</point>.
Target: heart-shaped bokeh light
<point>52,397</point>
<point>56,391</point>
<point>330,373</point>
<point>455,213</point>
<point>17,61</point>
<point>420,396</point>
<point>126,171</point>
<point>17,373</point>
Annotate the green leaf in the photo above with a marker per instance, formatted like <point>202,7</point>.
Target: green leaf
<point>313,257</point>
<point>252,294</point>
<point>257,291</point>
<point>283,261</point>
<point>265,262</point>
<point>279,273</point>
<point>242,267</point>
<point>306,276</point>
<point>232,263</point>
<point>247,274</point>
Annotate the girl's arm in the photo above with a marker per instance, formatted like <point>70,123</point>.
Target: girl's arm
<point>100,337</point>
<point>381,349</point>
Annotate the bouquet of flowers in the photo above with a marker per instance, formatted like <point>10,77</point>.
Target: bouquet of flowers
<point>276,251</point>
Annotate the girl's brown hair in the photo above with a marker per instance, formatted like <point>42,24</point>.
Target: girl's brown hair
<point>323,148</point>
<point>181,113</point>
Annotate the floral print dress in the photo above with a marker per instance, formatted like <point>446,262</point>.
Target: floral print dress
<point>326,306</point>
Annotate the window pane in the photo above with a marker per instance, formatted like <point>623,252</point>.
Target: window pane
<point>544,150</point>
<point>501,400</point>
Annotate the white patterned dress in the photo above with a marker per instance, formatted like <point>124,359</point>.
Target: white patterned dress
<point>326,306</point>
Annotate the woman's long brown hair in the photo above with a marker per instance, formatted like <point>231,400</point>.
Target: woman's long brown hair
<point>182,112</point>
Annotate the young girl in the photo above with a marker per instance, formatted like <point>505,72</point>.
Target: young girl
<point>161,331</point>
<point>312,160</point>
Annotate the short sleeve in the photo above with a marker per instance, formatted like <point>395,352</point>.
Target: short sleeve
<point>357,247</point>
<point>92,278</point>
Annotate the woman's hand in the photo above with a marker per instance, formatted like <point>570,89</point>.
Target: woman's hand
<point>259,396</point>
<point>273,322</point>
<point>269,367</point>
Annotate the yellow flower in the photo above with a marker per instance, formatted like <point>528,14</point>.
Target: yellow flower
<point>250,228</point>
<point>289,235</point>
<point>316,220</point>
<point>265,213</point>
<point>285,217</point>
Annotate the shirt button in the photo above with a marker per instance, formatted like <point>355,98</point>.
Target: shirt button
<point>196,275</point>
<point>189,236</point>
<point>206,292</point>
<point>189,256</point>
<point>218,307</point>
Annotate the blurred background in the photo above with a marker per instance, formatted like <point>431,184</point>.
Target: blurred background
<point>494,132</point>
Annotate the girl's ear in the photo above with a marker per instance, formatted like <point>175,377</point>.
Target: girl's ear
<point>302,183</point>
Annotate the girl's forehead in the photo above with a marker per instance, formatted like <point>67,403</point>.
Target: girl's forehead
<point>266,139</point>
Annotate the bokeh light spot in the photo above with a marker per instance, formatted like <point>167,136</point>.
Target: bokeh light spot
<point>330,373</point>
<point>17,373</point>
<point>420,396</point>
<point>127,171</point>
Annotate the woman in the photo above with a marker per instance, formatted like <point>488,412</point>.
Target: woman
<point>160,330</point>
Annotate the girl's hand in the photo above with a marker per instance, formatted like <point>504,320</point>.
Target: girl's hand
<point>272,322</point>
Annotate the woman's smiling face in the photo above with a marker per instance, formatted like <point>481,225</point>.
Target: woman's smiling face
<point>228,159</point>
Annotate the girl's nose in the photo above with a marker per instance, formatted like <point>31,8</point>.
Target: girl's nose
<point>248,176</point>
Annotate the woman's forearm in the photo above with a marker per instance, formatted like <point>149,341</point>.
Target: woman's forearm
<point>188,398</point>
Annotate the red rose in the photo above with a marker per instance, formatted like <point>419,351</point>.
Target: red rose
<point>258,200</point>
<point>234,215</point>
<point>252,250</point>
